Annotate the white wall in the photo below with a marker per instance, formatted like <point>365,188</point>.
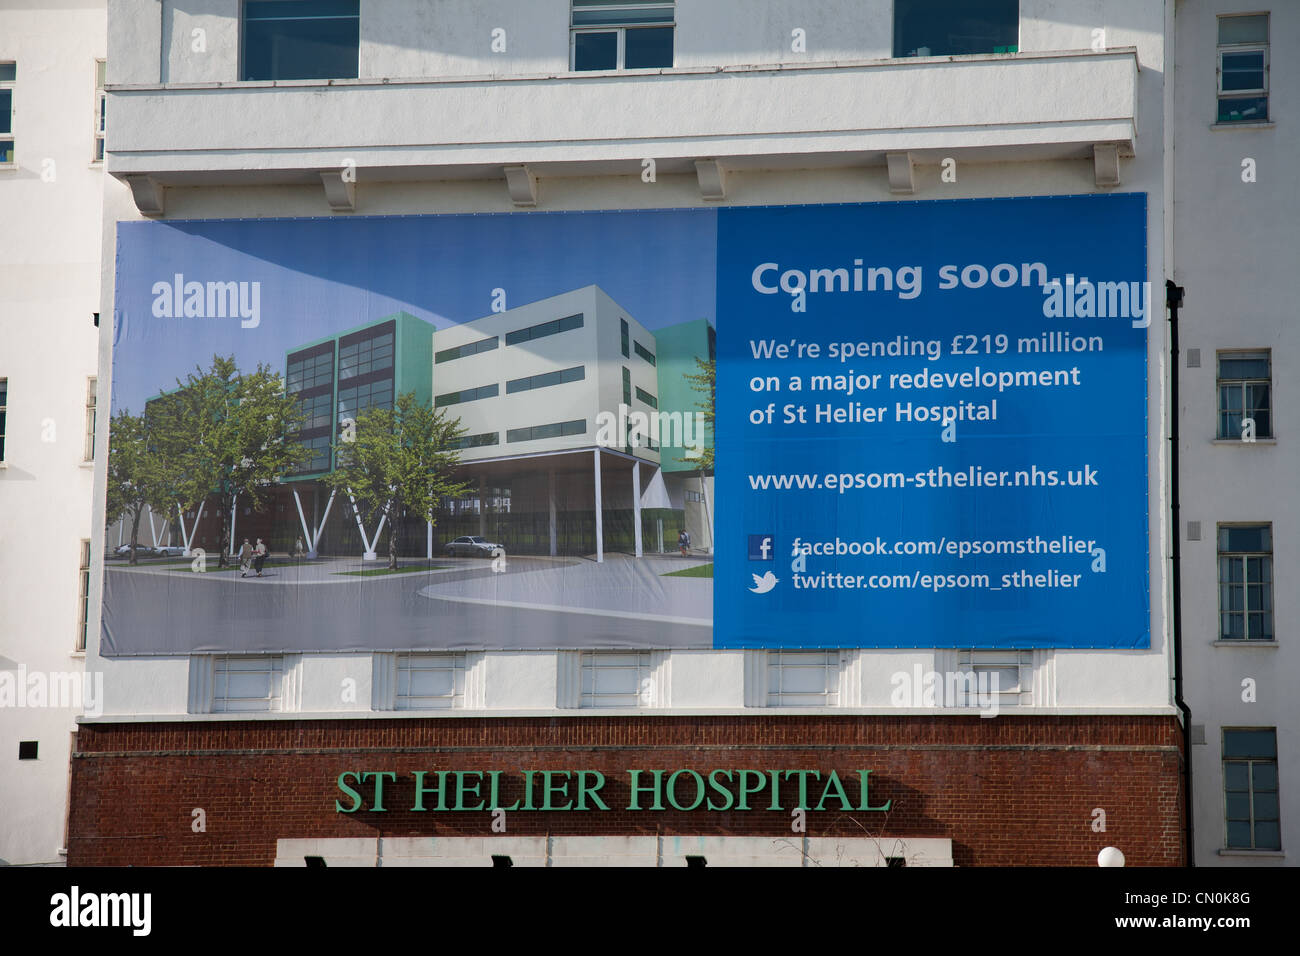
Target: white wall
<point>49,289</point>
<point>1236,257</point>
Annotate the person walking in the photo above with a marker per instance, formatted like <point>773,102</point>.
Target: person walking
<point>297,547</point>
<point>245,558</point>
<point>259,557</point>
<point>684,542</point>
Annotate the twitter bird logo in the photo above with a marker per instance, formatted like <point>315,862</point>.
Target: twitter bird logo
<point>763,584</point>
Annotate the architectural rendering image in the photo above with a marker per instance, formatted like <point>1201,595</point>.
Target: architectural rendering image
<point>657,433</point>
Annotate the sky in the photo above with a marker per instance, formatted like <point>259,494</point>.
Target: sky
<point>321,276</point>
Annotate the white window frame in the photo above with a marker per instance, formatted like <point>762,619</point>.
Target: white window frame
<point>620,57</point>
<point>594,662</point>
<point>1245,556</point>
<point>1220,383</point>
<point>83,619</point>
<point>273,665</point>
<point>99,120</point>
<point>407,664</point>
<point>1254,46</point>
<point>4,417</point>
<point>781,662</point>
<point>987,661</point>
<point>12,136</point>
<point>92,413</point>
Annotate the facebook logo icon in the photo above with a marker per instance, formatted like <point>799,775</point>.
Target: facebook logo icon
<point>761,547</point>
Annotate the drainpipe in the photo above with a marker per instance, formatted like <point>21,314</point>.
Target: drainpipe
<point>1174,301</point>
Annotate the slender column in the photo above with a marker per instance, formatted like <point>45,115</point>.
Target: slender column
<point>636,505</point>
<point>600,523</point>
<point>551,495</point>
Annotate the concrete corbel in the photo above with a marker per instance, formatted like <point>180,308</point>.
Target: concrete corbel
<point>340,191</point>
<point>522,185</point>
<point>901,179</point>
<point>1105,164</point>
<point>712,176</point>
<point>147,193</point>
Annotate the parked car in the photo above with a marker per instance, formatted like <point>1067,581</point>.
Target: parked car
<point>471,546</point>
<point>170,551</point>
<point>141,551</point>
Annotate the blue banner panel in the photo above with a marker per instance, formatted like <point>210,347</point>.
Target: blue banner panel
<point>932,424</point>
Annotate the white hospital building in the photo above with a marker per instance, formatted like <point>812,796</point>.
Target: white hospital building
<point>300,109</point>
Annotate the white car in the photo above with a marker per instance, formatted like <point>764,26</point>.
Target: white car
<point>471,546</point>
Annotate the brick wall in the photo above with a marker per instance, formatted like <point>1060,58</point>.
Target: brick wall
<point>1009,790</point>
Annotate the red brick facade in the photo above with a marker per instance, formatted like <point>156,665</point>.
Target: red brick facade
<point>1008,790</point>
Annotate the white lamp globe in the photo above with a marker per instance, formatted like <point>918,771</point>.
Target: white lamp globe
<point>1110,856</point>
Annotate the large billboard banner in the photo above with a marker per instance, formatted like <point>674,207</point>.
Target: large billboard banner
<point>916,424</point>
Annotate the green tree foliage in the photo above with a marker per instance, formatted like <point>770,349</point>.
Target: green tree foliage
<point>400,460</point>
<point>227,435</point>
<point>136,474</point>
<point>705,381</point>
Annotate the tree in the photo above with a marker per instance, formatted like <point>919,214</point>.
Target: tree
<point>135,474</point>
<point>227,435</point>
<point>400,459</point>
<point>704,381</point>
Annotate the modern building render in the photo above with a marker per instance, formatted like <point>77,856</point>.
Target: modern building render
<point>1057,111</point>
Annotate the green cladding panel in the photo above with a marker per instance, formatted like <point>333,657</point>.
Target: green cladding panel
<point>678,347</point>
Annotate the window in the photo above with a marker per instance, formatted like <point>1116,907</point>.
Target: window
<point>101,105</point>
<point>247,684</point>
<point>28,749</point>
<point>538,432</point>
<point>614,35</point>
<point>546,379</point>
<point>300,39</point>
<point>1003,677</point>
<point>468,395</point>
<point>463,351</point>
<point>1245,380</point>
<point>1250,797</point>
<point>1243,69</point>
<point>477,441</point>
<point>90,418</point>
<point>366,355</point>
<point>955,27</point>
<point>646,397</point>
<point>311,369</point>
<point>616,680</point>
<point>4,405</point>
<point>625,337</point>
<point>357,398</point>
<point>8,74</point>
<point>320,453</point>
<point>545,329</point>
<point>430,681</point>
<point>803,678</point>
<point>627,386</point>
<point>83,617</point>
<point>644,352</point>
<point>316,411</point>
<point>1246,582</point>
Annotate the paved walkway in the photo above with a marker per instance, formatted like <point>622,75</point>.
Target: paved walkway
<point>622,586</point>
